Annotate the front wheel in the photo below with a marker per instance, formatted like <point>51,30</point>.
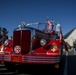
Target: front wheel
<point>59,67</point>
<point>10,66</point>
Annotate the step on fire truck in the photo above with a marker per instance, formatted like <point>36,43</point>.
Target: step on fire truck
<point>33,45</point>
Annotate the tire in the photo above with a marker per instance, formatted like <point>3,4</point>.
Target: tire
<point>0,62</point>
<point>60,70</point>
<point>10,66</point>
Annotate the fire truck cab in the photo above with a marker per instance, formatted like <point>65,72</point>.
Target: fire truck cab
<point>33,46</point>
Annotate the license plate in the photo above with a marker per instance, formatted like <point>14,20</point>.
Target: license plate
<point>16,59</point>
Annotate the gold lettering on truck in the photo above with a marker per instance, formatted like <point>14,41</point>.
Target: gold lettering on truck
<point>54,47</point>
<point>16,59</point>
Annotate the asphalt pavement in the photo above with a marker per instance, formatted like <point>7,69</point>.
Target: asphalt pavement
<point>71,68</point>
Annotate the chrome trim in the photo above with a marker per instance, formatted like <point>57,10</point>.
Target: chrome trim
<point>7,57</point>
<point>41,59</point>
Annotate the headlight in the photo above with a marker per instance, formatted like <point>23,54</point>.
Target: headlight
<point>6,42</point>
<point>43,42</point>
<point>17,49</point>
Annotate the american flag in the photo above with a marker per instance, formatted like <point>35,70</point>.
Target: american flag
<point>49,25</point>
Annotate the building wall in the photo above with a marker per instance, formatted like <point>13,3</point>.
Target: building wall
<point>71,38</point>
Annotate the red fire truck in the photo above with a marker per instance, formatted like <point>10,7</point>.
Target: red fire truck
<point>31,45</point>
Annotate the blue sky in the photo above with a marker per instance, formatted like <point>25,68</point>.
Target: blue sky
<point>13,12</point>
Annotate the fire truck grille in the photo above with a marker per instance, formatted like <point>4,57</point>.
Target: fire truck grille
<point>22,39</point>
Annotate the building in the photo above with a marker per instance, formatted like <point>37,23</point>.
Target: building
<point>70,38</point>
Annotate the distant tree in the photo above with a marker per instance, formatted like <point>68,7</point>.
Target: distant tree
<point>3,35</point>
<point>5,30</point>
<point>0,29</point>
<point>0,32</point>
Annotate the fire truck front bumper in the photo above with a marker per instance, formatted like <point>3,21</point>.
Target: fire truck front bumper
<point>31,59</point>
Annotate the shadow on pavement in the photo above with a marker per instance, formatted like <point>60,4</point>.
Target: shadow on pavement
<point>71,65</point>
<point>41,69</point>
